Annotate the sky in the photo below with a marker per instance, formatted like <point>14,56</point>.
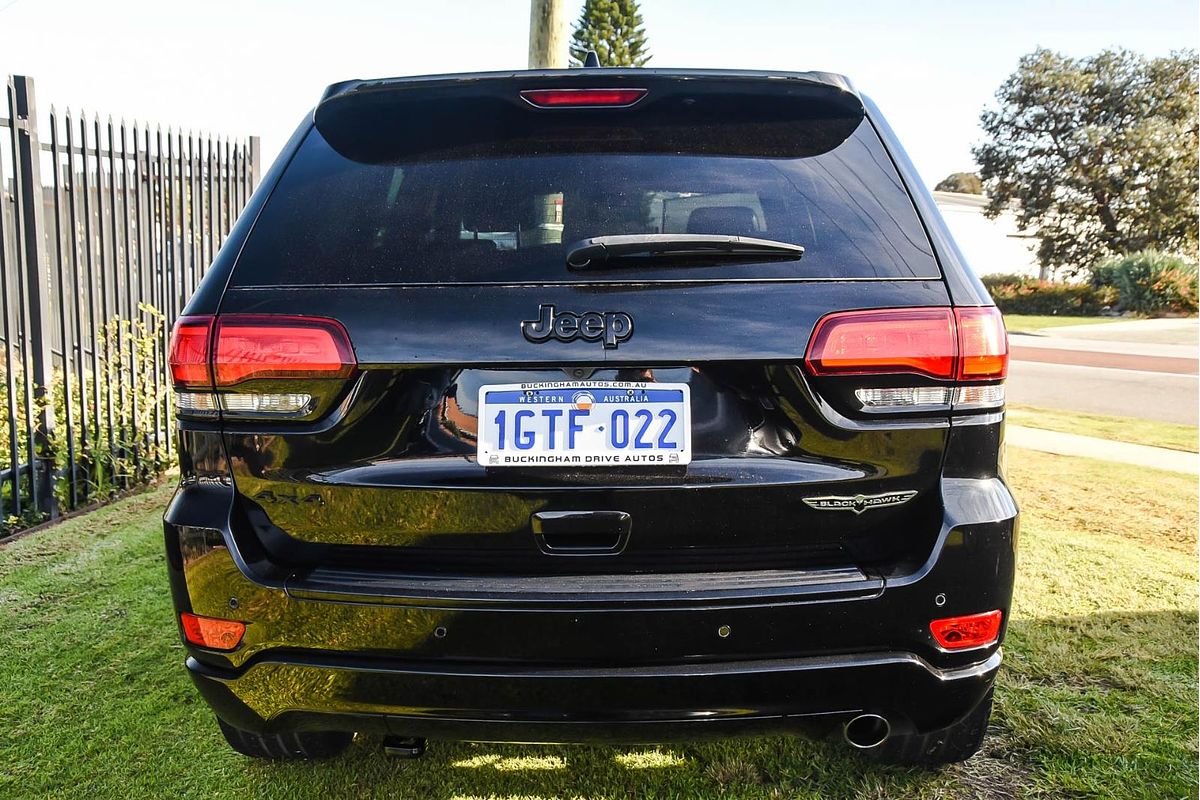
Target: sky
<point>255,68</point>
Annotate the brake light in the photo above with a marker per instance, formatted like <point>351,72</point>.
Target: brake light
<point>211,632</point>
<point>982,344</point>
<point>966,345</point>
<point>580,98</point>
<point>913,340</point>
<point>210,353</point>
<point>973,630</point>
<point>249,347</point>
<point>189,352</point>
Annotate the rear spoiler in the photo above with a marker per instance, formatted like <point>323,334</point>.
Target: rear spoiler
<point>744,113</point>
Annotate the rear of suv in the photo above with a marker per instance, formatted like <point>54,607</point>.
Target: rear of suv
<point>592,405</point>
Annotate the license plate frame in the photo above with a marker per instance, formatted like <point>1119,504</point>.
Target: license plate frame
<point>595,435</point>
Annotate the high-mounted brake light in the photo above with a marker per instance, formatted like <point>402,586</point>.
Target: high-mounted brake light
<point>973,630</point>
<point>582,98</point>
<point>210,632</point>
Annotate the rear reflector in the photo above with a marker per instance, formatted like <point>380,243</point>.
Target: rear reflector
<point>210,632</point>
<point>964,344</point>
<point>974,630</point>
<point>582,98</point>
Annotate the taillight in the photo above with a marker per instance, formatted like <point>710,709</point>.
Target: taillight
<point>972,630</point>
<point>231,352</point>
<point>251,347</point>
<point>190,340</point>
<point>982,344</point>
<point>967,346</point>
<point>582,98</point>
<point>211,632</point>
<point>916,340</point>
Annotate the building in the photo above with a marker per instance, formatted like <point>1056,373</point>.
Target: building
<point>992,246</point>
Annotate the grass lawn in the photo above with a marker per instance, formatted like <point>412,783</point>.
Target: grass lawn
<point>1117,429</point>
<point>1030,323</point>
<point>1097,697</point>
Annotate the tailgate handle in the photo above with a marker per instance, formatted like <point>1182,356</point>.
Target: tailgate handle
<point>581,533</point>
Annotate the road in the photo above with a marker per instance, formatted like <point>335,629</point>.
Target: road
<point>1120,392</point>
<point>1144,368</point>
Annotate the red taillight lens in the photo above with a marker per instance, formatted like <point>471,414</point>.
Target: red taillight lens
<point>983,344</point>
<point>913,340</point>
<point>190,339</point>
<point>210,632</point>
<point>249,347</point>
<point>974,630</point>
<point>965,344</point>
<point>576,98</point>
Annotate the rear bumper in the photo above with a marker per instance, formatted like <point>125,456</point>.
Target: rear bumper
<point>473,662</point>
<point>638,704</point>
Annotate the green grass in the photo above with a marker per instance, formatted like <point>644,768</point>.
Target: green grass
<point>1101,426</point>
<point>1030,323</point>
<point>1097,697</point>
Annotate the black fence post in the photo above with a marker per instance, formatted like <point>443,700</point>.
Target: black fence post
<point>31,230</point>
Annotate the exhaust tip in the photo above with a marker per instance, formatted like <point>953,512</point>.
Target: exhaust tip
<point>404,746</point>
<point>866,731</point>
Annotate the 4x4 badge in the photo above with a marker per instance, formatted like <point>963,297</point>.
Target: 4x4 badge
<point>610,327</point>
<point>859,502</point>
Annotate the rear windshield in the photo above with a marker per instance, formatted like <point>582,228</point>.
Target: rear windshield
<point>511,218</point>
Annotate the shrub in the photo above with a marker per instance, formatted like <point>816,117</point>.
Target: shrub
<point>112,456</point>
<point>1150,282</point>
<point>1018,294</point>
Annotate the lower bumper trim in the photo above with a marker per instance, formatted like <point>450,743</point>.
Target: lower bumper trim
<point>636,704</point>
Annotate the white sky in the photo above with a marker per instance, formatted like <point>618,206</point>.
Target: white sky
<point>256,67</point>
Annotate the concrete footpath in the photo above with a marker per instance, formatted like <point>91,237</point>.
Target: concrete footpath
<point>1071,444</point>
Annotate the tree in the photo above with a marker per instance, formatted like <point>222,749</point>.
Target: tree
<point>613,28</point>
<point>1097,155</point>
<point>962,182</point>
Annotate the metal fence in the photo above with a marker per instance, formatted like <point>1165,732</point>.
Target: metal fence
<point>105,230</point>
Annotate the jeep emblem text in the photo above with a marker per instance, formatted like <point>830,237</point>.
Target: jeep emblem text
<point>610,327</point>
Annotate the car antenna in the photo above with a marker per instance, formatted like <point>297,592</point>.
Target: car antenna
<point>591,59</point>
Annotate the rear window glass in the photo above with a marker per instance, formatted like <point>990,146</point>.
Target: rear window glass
<point>511,218</point>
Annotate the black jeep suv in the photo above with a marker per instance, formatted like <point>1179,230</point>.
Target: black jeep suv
<point>592,405</point>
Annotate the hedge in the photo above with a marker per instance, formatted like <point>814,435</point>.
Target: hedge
<point>1147,283</point>
<point>1018,294</point>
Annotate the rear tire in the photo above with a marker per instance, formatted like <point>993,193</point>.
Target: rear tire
<point>956,742</point>
<point>294,746</point>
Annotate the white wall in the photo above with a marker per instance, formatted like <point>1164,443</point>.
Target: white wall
<point>991,245</point>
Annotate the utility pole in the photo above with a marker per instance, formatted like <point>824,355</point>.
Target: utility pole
<point>547,34</point>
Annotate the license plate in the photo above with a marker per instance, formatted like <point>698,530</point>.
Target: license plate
<point>585,424</point>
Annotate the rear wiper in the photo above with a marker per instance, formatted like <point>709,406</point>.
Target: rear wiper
<point>602,251</point>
